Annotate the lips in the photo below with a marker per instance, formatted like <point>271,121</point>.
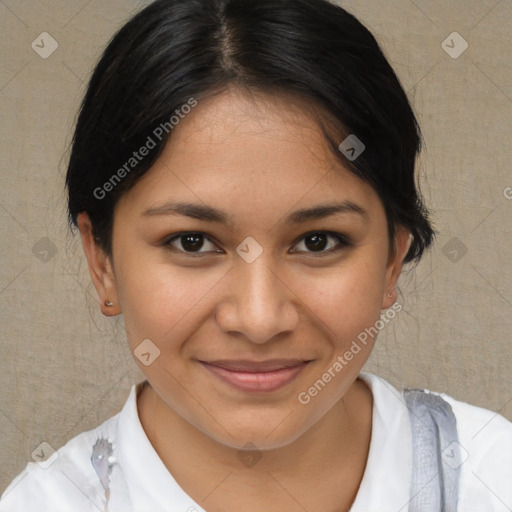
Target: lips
<point>256,366</point>
<point>246,375</point>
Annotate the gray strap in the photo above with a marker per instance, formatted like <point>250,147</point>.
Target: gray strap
<point>436,453</point>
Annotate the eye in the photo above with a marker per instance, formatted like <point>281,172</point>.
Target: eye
<point>318,241</point>
<point>190,243</point>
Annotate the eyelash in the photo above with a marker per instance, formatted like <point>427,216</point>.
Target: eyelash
<point>343,242</point>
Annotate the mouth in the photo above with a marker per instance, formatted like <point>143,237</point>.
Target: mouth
<point>269,375</point>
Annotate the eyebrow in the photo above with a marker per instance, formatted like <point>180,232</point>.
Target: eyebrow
<point>211,214</point>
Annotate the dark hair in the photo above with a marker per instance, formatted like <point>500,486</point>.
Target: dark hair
<point>175,52</point>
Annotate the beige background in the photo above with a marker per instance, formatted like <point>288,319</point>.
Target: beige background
<point>64,368</point>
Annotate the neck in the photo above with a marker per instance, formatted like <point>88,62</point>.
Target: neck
<point>322,467</point>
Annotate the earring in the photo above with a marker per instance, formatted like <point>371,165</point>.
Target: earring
<point>390,294</point>
<point>108,303</point>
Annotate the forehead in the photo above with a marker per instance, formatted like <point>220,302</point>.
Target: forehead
<point>266,150</point>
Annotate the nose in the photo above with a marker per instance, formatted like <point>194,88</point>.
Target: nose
<point>259,305</point>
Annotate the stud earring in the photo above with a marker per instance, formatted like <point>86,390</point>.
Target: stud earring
<point>108,303</point>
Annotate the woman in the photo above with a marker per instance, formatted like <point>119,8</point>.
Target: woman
<point>242,177</point>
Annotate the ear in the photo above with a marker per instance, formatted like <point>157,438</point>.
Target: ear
<point>402,243</point>
<point>100,267</point>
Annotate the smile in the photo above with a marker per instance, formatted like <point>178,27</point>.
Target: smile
<point>256,376</point>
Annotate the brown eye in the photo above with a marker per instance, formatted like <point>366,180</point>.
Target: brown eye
<point>192,242</point>
<point>318,241</point>
<point>189,242</point>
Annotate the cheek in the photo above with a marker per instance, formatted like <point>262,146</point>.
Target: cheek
<point>346,299</point>
<point>158,300</point>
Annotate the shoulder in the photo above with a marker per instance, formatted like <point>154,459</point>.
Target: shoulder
<point>65,480</point>
<point>485,439</point>
<point>480,428</point>
<point>485,464</point>
<point>482,433</point>
<point>484,436</point>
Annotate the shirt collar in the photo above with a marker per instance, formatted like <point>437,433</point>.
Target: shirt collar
<point>385,483</point>
<point>385,486</point>
<point>151,485</point>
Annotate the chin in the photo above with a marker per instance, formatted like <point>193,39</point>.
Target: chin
<point>263,438</point>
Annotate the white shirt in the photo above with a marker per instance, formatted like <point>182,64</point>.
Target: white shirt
<point>140,482</point>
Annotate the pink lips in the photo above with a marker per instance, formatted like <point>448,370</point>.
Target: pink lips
<point>267,375</point>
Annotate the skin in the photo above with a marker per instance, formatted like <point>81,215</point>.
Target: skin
<point>257,158</point>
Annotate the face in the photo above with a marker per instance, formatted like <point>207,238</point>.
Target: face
<point>254,293</point>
